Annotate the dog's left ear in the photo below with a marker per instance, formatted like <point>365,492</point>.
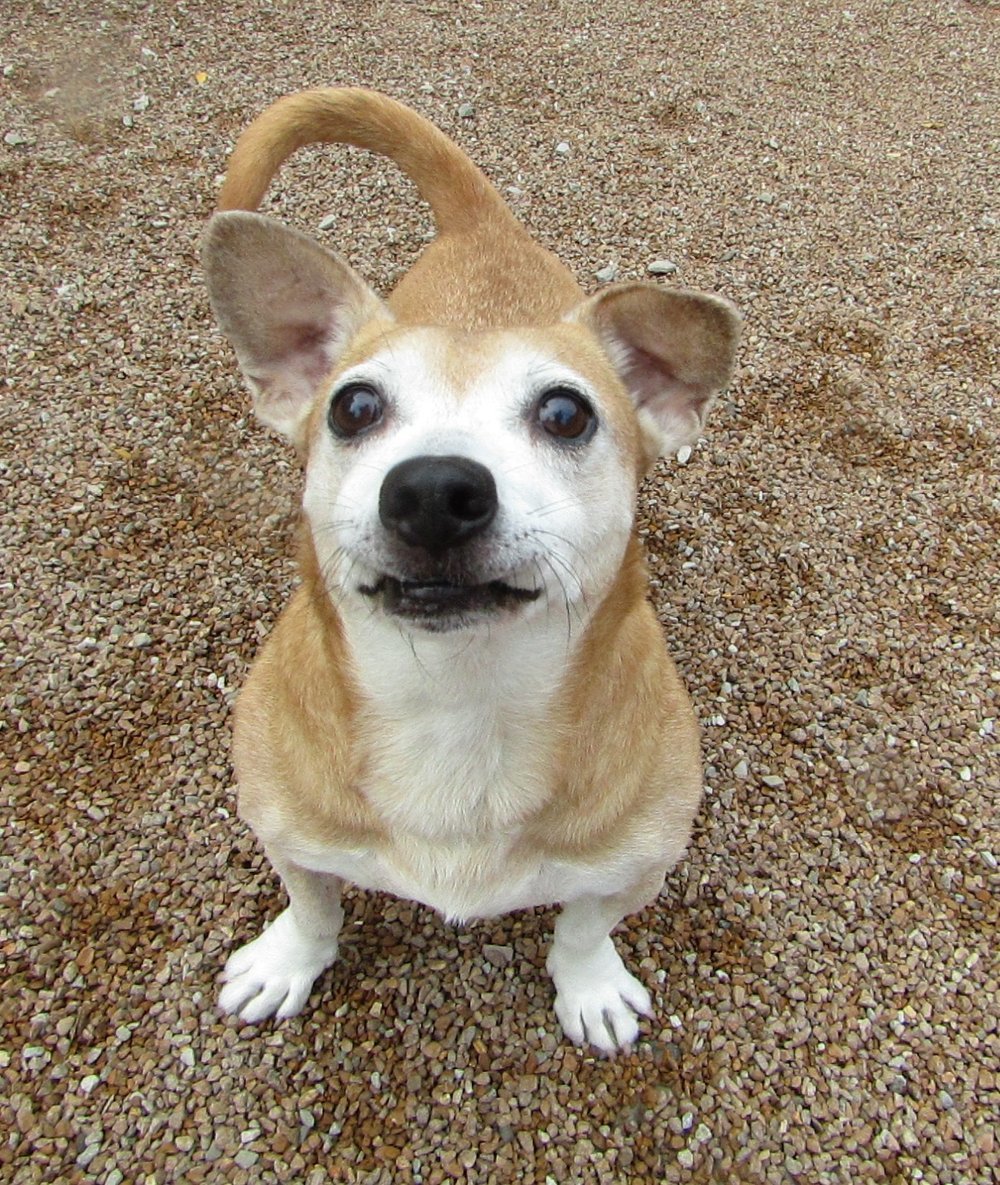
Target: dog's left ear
<point>674,350</point>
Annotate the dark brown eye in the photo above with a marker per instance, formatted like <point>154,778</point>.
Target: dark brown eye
<point>566,415</point>
<point>354,410</point>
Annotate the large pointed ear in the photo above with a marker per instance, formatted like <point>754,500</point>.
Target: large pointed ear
<point>672,348</point>
<point>288,306</point>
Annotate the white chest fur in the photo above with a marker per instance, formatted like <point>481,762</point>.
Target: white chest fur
<point>458,731</point>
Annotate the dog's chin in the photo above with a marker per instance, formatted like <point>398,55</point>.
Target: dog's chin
<point>439,606</point>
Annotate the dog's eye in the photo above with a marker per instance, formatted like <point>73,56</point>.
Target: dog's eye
<point>566,415</point>
<point>354,410</point>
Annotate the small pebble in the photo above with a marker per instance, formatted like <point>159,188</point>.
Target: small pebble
<point>498,955</point>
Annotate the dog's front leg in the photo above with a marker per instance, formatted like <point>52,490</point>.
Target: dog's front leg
<point>274,973</point>
<point>596,998</point>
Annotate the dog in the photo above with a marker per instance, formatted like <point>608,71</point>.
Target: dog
<point>468,701</point>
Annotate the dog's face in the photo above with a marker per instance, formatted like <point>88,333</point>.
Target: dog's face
<point>457,478</point>
<point>454,479</point>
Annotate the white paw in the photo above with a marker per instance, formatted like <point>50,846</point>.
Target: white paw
<point>597,1001</point>
<point>275,973</point>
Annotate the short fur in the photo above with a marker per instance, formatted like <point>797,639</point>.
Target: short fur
<point>476,759</point>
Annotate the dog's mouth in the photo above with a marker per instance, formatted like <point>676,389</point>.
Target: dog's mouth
<point>439,604</point>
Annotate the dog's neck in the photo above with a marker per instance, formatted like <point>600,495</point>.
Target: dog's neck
<point>458,726</point>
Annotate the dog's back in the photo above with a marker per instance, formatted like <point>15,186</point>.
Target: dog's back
<point>483,271</point>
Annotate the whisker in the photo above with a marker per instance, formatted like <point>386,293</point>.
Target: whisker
<point>458,654</point>
<point>411,642</point>
<point>334,525</point>
<point>552,507</point>
<point>538,531</point>
<point>536,564</point>
<point>520,465</point>
<point>569,617</point>
<point>551,559</point>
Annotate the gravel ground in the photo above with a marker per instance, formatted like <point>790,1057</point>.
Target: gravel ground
<point>825,566</point>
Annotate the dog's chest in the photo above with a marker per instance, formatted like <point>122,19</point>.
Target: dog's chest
<point>470,770</point>
<point>458,758</point>
<point>459,744</point>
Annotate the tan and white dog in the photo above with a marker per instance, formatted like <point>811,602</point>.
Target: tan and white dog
<point>468,701</point>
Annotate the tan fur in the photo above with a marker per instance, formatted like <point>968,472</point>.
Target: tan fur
<point>606,796</point>
<point>296,744</point>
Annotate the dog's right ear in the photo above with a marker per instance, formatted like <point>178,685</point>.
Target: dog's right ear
<point>288,306</point>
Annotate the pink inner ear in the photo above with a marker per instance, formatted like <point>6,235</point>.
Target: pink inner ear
<point>307,338</point>
<point>672,348</point>
<point>655,385</point>
<point>645,375</point>
<point>293,357</point>
<point>311,349</point>
<point>288,306</point>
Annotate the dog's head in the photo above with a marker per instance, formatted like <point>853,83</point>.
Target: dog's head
<point>455,477</point>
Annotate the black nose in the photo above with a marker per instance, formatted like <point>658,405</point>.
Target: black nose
<point>437,502</point>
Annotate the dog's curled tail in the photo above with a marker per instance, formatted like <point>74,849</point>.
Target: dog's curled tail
<point>457,192</point>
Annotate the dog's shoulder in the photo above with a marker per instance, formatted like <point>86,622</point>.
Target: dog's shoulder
<point>628,769</point>
<point>294,734</point>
